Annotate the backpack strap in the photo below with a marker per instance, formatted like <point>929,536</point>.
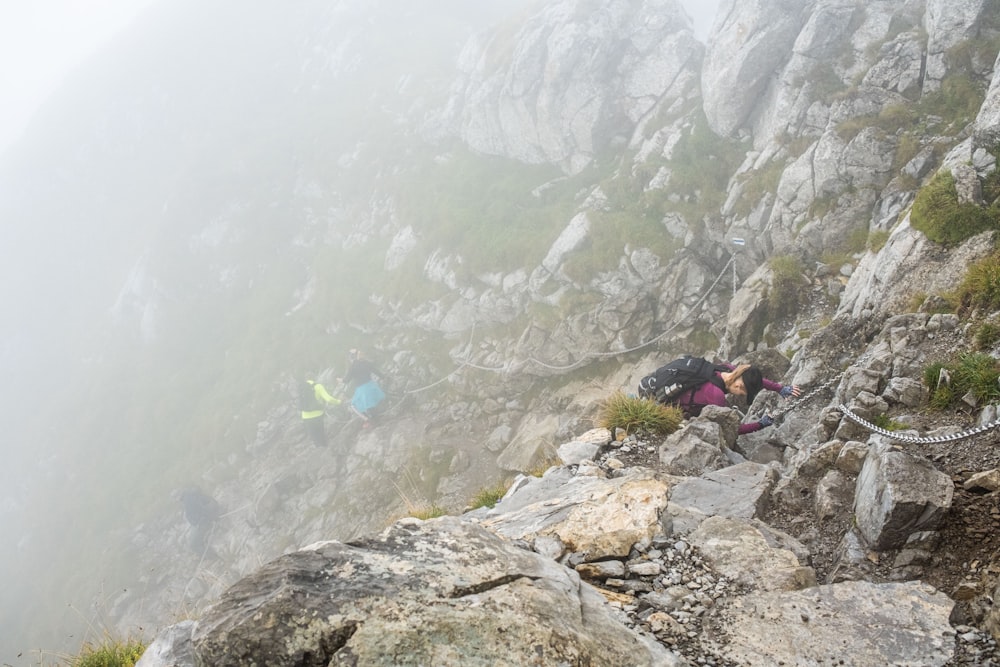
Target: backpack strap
<point>692,409</point>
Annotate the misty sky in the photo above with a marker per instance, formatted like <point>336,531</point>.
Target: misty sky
<point>42,41</point>
<point>702,12</point>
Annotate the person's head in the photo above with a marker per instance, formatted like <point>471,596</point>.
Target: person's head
<point>734,380</point>
<point>753,382</point>
<point>744,380</point>
<point>354,354</point>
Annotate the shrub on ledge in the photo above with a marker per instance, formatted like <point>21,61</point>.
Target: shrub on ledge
<point>937,213</point>
<point>638,414</point>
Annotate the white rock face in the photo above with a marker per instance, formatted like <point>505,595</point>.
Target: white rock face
<point>404,241</point>
<point>570,239</point>
<point>750,42</point>
<point>987,125</point>
<point>571,75</point>
<point>948,23</point>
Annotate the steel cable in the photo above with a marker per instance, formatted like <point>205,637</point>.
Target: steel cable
<point>913,439</point>
<point>467,363</point>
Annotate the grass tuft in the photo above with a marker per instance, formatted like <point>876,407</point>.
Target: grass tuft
<point>980,287</point>
<point>539,468</point>
<point>972,373</point>
<point>638,414</point>
<point>937,213</point>
<point>886,422</point>
<point>987,335</point>
<point>431,512</point>
<point>877,240</point>
<point>110,653</point>
<point>489,496</point>
<point>787,281</point>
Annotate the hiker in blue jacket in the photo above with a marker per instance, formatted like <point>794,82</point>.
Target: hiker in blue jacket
<point>367,393</point>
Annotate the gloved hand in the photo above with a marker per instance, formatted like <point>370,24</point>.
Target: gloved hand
<point>765,421</point>
<point>789,390</point>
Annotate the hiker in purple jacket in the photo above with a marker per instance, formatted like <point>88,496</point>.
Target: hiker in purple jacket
<point>743,380</point>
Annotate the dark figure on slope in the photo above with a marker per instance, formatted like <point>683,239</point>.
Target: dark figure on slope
<point>691,383</point>
<point>201,511</point>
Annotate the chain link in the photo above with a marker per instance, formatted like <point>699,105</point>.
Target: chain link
<point>913,439</point>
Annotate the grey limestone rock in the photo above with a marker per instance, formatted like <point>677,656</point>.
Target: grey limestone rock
<point>437,592</point>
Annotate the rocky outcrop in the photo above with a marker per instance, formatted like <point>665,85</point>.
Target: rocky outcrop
<point>878,287</point>
<point>674,570</point>
<point>987,126</point>
<point>440,592</point>
<point>749,43</point>
<point>948,25</point>
<point>544,96</point>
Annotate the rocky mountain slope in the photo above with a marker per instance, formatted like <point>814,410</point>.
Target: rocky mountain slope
<point>820,539</point>
<point>534,215</point>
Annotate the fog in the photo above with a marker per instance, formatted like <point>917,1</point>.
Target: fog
<point>42,43</point>
<point>154,270</point>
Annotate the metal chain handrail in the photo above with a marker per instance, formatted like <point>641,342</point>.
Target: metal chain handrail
<point>898,437</point>
<point>806,397</point>
<point>913,439</point>
<point>467,363</point>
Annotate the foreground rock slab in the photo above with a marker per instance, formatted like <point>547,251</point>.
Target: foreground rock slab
<point>857,622</point>
<point>441,592</point>
<point>598,518</point>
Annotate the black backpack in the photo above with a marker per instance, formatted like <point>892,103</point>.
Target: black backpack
<point>670,382</point>
<point>307,397</point>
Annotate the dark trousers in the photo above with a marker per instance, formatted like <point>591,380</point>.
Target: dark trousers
<point>316,431</point>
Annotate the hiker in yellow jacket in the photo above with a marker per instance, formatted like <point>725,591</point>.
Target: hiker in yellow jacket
<point>313,399</point>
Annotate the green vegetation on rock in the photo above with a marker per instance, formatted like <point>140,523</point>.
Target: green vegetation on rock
<point>787,281</point>
<point>972,373</point>
<point>939,215</point>
<point>489,496</point>
<point>980,286</point>
<point>638,414</point>
<point>110,653</point>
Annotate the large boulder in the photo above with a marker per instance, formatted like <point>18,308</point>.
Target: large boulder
<point>437,592</point>
<point>897,495</point>
<point>597,518</point>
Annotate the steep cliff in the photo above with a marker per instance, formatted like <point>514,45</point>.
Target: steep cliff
<point>515,210</point>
